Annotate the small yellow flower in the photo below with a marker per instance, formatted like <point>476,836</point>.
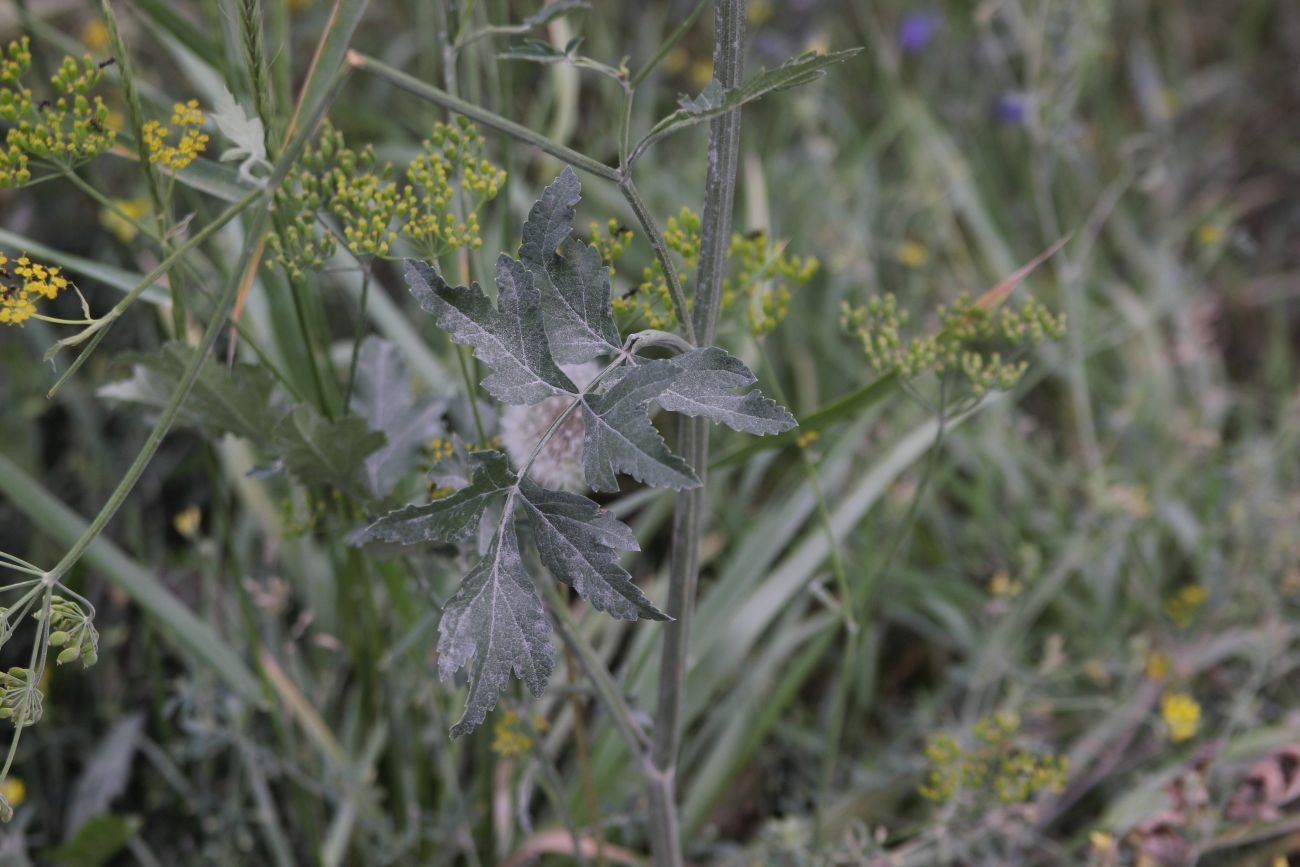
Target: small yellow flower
<point>24,284</point>
<point>913,254</point>
<point>676,60</point>
<point>701,73</point>
<point>13,790</point>
<point>1157,665</point>
<point>1182,607</point>
<point>187,521</point>
<point>192,141</point>
<point>508,736</point>
<point>117,223</point>
<point>1182,714</point>
<point>807,438</point>
<point>94,35</point>
<point>1209,234</point>
<point>1102,842</point>
<point>1002,586</point>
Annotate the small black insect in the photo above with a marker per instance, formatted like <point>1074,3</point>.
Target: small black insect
<point>43,105</point>
<point>108,62</point>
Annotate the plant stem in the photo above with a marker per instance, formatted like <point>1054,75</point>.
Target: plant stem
<point>489,119</point>
<point>688,522</point>
<point>647,221</point>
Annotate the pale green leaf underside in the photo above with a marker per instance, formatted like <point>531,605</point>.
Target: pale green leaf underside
<point>449,519</point>
<point>577,541</point>
<point>621,439</point>
<point>705,388</point>
<point>509,338</point>
<point>573,282</point>
<point>496,617</point>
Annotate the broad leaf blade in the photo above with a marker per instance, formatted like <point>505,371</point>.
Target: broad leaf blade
<point>704,388</point>
<point>453,518</point>
<point>573,281</point>
<point>510,339</point>
<point>714,100</point>
<point>620,437</point>
<point>577,540</point>
<point>496,616</point>
<point>382,396</point>
<point>237,402</point>
<point>320,451</point>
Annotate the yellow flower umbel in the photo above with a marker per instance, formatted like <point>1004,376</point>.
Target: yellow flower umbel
<point>191,141</point>
<point>1182,715</point>
<point>23,285</point>
<point>64,130</point>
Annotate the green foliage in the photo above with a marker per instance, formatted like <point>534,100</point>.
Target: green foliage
<point>238,401</point>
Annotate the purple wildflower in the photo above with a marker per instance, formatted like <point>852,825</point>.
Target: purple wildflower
<point>1010,109</point>
<point>915,30</point>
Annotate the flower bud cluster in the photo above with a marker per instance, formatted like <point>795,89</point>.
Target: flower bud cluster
<point>63,131</point>
<point>994,766</point>
<point>371,209</point>
<point>966,332</point>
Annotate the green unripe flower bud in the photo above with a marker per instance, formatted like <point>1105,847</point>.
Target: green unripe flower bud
<point>58,639</point>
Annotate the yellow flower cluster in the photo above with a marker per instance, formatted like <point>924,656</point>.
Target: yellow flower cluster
<point>652,298</point>
<point>1182,715</point>
<point>994,764</point>
<point>192,141</point>
<point>23,285</point>
<point>612,245</point>
<point>1184,604</point>
<point>764,272</point>
<point>511,735</point>
<point>372,210</point>
<point>758,270</point>
<point>451,153</point>
<point>965,329</point>
<point>64,130</point>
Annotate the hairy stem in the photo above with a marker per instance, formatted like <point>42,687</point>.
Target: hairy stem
<point>688,522</point>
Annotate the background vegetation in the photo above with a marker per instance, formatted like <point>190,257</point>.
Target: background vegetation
<point>1054,625</point>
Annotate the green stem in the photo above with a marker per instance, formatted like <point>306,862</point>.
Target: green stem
<point>490,119</point>
<point>688,521</point>
<point>160,269</point>
<point>676,294</point>
<point>173,407</point>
